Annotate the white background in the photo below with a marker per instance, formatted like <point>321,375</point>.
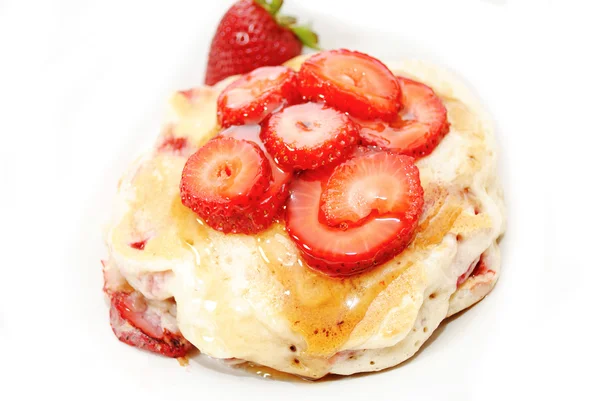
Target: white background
<point>82,87</point>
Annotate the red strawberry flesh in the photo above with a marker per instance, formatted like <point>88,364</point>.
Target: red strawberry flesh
<point>417,129</point>
<point>132,306</point>
<point>463,277</point>
<point>308,136</point>
<point>374,184</point>
<point>352,82</point>
<point>173,144</point>
<point>252,97</point>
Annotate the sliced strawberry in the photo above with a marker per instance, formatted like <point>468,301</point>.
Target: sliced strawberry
<point>373,184</point>
<point>261,214</point>
<point>135,325</point>
<point>223,176</point>
<point>417,129</point>
<point>310,135</point>
<point>252,133</point>
<point>341,251</point>
<point>132,306</point>
<point>254,96</point>
<point>352,82</point>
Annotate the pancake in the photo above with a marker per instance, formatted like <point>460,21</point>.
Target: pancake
<point>251,297</point>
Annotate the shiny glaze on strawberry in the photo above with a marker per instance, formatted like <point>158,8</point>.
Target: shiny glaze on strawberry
<point>416,130</point>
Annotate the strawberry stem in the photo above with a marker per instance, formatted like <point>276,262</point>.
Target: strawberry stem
<point>286,20</point>
<point>272,6</point>
<point>302,32</point>
<point>306,36</point>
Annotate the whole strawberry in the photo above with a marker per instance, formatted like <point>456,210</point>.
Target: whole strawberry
<point>252,34</point>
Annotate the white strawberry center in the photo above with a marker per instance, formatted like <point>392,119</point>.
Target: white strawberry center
<point>308,125</point>
<point>372,193</point>
<point>358,75</point>
<point>373,182</point>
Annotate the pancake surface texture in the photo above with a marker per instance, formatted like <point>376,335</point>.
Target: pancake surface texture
<point>250,296</point>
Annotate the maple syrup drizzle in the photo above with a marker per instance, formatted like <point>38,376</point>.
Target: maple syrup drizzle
<point>327,310</point>
<point>266,372</point>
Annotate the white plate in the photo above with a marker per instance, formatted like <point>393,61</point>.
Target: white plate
<point>90,87</point>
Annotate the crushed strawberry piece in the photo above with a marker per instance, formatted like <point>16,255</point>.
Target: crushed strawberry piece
<point>173,144</point>
<point>140,245</point>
